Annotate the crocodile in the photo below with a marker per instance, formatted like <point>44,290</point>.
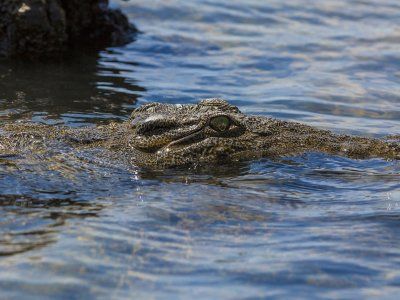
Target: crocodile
<point>212,132</point>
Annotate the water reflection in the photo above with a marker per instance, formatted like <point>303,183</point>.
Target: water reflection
<point>29,224</point>
<point>74,91</point>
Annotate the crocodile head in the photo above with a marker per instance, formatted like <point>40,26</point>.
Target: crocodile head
<point>212,131</point>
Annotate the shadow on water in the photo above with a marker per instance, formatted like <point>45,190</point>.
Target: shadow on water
<point>78,90</point>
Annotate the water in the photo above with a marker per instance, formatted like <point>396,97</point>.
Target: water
<point>308,226</point>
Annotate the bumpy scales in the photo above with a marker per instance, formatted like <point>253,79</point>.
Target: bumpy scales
<point>210,132</point>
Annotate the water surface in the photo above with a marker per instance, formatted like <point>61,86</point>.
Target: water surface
<point>314,224</point>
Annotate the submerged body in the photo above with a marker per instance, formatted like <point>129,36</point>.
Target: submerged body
<point>210,132</point>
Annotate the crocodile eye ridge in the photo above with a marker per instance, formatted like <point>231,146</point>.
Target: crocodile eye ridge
<point>220,123</point>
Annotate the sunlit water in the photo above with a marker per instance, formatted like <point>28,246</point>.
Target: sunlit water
<point>309,226</point>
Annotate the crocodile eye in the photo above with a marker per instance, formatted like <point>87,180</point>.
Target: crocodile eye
<point>220,123</point>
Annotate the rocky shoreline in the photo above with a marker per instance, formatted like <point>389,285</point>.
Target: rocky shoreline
<point>50,28</point>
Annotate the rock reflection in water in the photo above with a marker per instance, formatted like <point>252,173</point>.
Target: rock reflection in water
<point>28,223</point>
<point>75,91</point>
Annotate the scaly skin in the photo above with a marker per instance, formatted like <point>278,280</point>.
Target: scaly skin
<point>210,132</point>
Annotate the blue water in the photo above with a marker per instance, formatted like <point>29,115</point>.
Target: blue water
<point>310,226</point>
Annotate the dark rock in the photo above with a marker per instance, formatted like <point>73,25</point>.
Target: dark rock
<point>48,28</point>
